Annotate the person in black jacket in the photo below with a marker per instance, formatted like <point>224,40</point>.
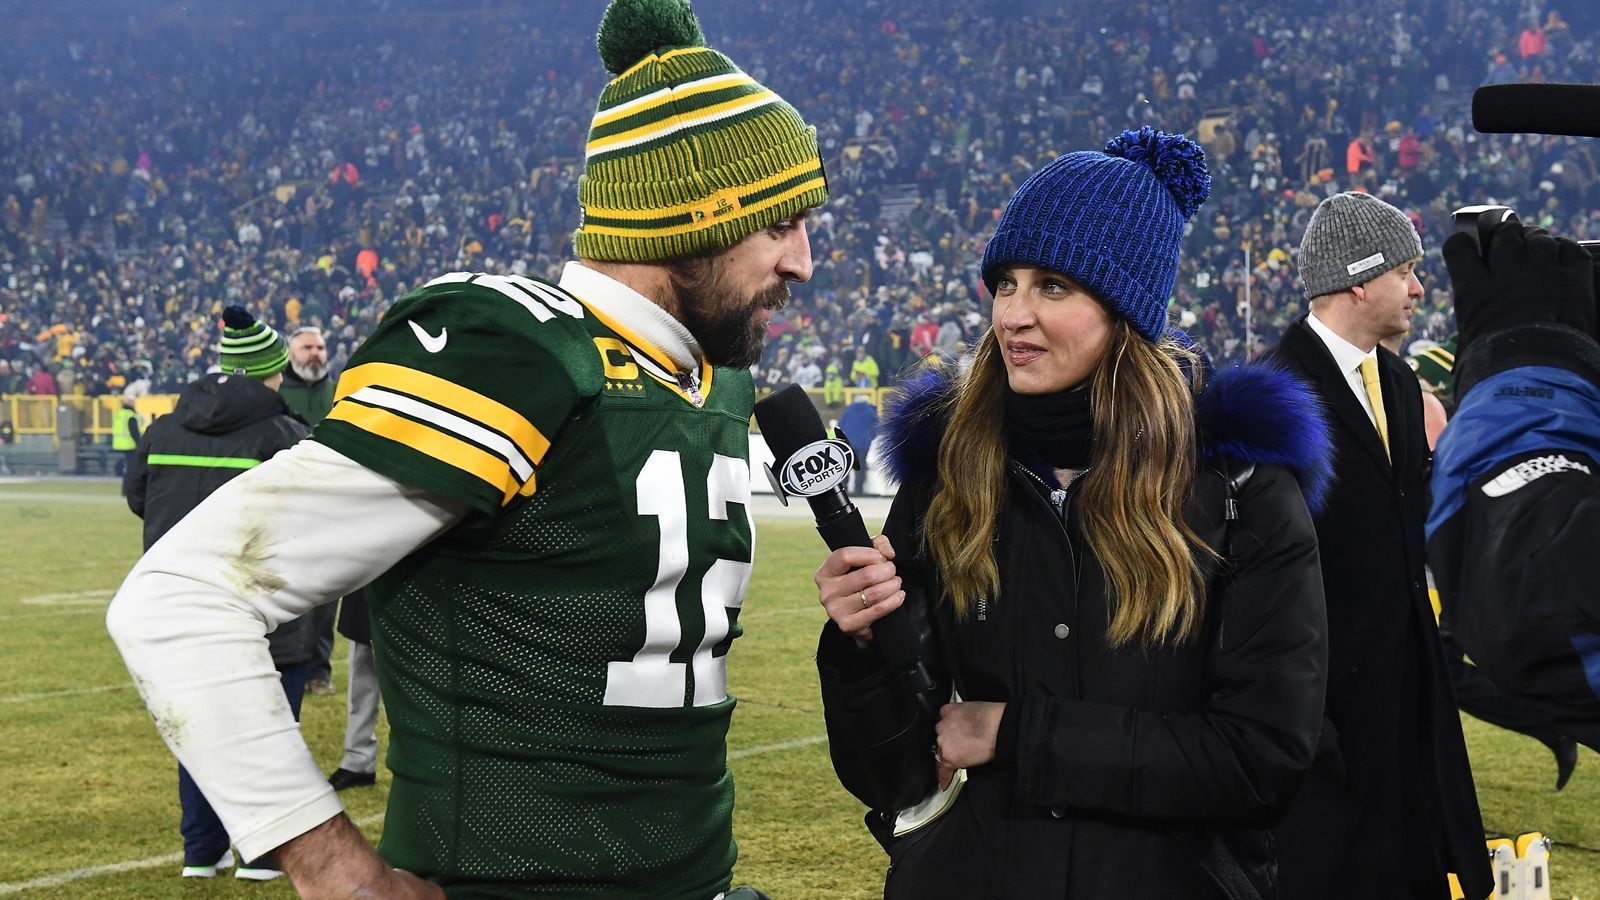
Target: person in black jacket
<point>1391,775</point>
<point>1109,558</point>
<point>1516,482</point>
<point>222,425</point>
<point>1475,694</point>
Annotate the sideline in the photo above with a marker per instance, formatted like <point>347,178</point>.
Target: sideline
<point>61,878</point>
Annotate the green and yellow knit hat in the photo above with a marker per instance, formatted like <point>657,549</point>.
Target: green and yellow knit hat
<point>250,347</point>
<point>687,154</point>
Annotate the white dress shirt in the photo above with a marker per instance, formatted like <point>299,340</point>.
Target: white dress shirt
<point>1348,357</point>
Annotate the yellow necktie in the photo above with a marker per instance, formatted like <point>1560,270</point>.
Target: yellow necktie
<point>1369,379</point>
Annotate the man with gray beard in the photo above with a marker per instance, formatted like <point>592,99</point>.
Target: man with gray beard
<point>306,386</point>
<point>308,391</point>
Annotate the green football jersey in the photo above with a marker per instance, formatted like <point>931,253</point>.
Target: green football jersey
<point>553,666</point>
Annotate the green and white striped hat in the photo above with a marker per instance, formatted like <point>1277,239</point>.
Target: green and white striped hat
<point>687,154</point>
<point>250,347</point>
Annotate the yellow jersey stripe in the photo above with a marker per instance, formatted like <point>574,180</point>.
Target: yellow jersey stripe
<point>450,396</point>
<point>473,460</point>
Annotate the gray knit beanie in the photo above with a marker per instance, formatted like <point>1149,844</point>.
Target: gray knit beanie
<point>1351,239</point>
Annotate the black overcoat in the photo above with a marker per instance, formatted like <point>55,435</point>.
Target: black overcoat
<point>1392,776</point>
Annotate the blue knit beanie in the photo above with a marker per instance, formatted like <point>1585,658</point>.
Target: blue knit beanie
<point>1112,221</point>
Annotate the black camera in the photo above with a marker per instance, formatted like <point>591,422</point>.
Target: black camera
<point>1481,222</point>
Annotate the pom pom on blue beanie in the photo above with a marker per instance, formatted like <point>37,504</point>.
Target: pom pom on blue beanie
<point>1110,220</point>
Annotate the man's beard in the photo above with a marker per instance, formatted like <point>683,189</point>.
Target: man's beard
<point>728,336</point>
<point>310,373</point>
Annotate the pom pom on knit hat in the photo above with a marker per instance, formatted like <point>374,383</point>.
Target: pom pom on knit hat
<point>686,154</point>
<point>630,30</point>
<point>1112,221</point>
<point>1178,162</point>
<point>250,347</point>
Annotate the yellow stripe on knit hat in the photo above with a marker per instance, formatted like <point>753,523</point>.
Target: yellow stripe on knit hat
<point>658,98</point>
<point>683,209</point>
<point>675,124</point>
<point>744,211</point>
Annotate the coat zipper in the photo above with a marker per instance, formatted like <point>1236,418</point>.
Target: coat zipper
<point>1058,500</point>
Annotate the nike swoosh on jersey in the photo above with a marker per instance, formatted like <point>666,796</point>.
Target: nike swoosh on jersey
<point>429,342</point>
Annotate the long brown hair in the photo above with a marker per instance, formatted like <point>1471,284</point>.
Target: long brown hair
<point>1140,472</point>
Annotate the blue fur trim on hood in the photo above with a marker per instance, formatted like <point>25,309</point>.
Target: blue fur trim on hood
<point>1265,414</point>
<point>1259,413</point>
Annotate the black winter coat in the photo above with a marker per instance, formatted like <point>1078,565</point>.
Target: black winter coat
<point>1392,774</point>
<point>1119,773</point>
<point>221,426</point>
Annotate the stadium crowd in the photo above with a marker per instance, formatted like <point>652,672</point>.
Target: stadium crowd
<point>313,167</point>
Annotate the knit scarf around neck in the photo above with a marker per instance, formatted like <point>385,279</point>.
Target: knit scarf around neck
<point>1058,427</point>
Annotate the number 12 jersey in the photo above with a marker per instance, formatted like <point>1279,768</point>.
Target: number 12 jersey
<point>553,665</point>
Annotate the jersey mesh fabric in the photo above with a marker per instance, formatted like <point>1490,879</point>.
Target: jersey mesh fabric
<point>513,774</point>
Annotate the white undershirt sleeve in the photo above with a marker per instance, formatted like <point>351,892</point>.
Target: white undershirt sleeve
<point>302,529</point>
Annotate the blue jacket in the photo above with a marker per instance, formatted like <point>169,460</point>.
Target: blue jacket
<point>1515,526</point>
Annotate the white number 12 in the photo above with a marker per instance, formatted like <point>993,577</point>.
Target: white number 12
<point>651,678</point>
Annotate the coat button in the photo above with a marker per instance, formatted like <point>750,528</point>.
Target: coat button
<point>1058,813</point>
<point>1062,631</point>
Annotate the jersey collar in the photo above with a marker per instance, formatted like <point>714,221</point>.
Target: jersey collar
<point>646,323</point>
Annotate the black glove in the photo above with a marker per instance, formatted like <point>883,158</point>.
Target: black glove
<point>1529,277</point>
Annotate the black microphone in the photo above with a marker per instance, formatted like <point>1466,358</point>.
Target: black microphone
<point>808,463</point>
<point>1565,109</point>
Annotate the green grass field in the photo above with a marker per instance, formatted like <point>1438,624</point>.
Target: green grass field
<point>90,790</point>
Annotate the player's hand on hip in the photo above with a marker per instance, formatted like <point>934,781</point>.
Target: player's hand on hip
<point>333,861</point>
<point>858,586</point>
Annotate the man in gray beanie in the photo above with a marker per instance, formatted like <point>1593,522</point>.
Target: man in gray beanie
<point>1391,772</point>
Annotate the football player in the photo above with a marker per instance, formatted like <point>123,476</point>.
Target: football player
<point>547,485</point>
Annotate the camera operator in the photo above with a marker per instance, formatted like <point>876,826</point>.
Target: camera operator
<point>1515,527</point>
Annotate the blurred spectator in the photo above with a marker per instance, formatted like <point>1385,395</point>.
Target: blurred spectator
<point>152,173</point>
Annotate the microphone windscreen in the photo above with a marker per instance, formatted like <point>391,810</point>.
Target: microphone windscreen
<point>1566,109</point>
<point>788,421</point>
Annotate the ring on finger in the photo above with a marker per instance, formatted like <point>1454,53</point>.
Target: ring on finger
<point>864,601</point>
<point>938,760</point>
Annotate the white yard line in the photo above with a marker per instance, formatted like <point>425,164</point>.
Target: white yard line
<point>71,692</point>
<point>808,609</point>
<point>88,610</point>
<point>153,862</point>
<point>781,745</point>
<point>57,497</point>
